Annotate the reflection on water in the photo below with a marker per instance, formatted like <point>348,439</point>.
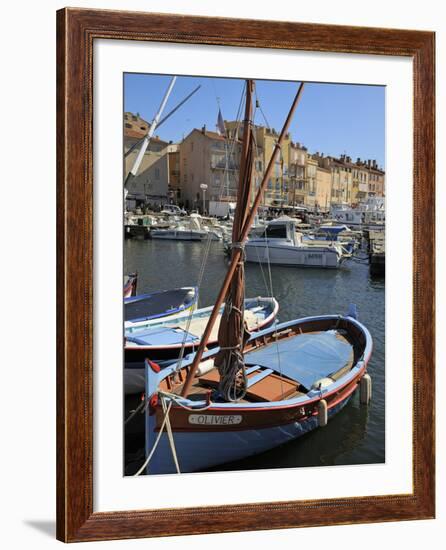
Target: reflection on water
<point>356,434</point>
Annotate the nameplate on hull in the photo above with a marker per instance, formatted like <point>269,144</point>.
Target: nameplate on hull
<point>215,419</point>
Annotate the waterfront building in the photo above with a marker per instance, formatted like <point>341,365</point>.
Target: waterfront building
<point>376,187</point>
<point>355,182</point>
<point>174,184</point>
<point>323,187</point>
<point>298,188</point>
<point>175,172</point>
<point>208,158</point>
<point>311,165</point>
<point>135,125</point>
<point>342,180</point>
<point>362,175</point>
<point>150,186</point>
<point>278,186</point>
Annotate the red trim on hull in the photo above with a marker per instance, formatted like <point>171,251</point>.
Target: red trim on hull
<point>269,417</point>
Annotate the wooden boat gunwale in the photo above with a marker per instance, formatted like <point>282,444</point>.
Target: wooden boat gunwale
<point>298,410</point>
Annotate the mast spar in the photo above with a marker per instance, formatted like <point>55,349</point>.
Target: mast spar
<point>231,334</point>
<point>237,251</point>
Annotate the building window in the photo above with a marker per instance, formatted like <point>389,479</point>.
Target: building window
<point>128,125</point>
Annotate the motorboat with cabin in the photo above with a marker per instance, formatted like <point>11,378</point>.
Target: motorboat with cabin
<point>188,229</point>
<point>280,242</point>
<point>368,214</point>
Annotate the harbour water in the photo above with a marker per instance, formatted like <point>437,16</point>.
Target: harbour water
<point>356,435</point>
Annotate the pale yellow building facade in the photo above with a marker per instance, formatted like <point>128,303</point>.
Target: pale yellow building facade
<point>323,189</point>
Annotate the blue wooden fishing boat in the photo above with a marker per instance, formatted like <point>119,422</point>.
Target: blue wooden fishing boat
<point>156,305</point>
<point>253,392</point>
<point>299,375</point>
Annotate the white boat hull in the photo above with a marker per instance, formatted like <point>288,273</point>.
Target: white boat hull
<point>293,255</point>
<point>174,235</point>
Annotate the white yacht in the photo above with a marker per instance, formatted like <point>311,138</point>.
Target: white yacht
<point>188,229</point>
<point>370,213</point>
<point>280,243</point>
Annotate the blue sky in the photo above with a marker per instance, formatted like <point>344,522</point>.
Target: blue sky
<point>331,118</point>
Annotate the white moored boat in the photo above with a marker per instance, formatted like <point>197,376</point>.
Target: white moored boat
<point>370,213</point>
<point>280,243</point>
<point>190,229</point>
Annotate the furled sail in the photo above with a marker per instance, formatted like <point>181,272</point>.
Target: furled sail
<point>232,333</point>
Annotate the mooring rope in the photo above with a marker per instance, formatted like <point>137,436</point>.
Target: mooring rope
<point>170,433</point>
<point>177,399</point>
<point>135,412</point>
<point>155,445</point>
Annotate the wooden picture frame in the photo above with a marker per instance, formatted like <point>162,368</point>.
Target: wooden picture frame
<point>76,31</point>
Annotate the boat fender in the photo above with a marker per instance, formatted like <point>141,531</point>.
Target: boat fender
<point>205,367</point>
<point>154,366</point>
<point>322,410</point>
<point>208,398</point>
<point>153,403</point>
<point>365,389</point>
<point>352,311</point>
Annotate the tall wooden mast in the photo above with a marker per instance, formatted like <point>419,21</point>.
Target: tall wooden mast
<point>231,331</point>
<point>237,251</point>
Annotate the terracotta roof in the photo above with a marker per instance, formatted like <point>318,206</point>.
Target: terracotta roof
<point>214,135</point>
<point>131,134</point>
<point>128,132</point>
<point>208,133</point>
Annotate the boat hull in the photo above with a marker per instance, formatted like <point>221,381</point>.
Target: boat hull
<point>293,256</point>
<point>200,451</point>
<point>172,235</point>
<point>208,435</point>
<point>161,305</point>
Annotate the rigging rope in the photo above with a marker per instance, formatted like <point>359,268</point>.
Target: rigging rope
<point>208,238</point>
<point>268,261</point>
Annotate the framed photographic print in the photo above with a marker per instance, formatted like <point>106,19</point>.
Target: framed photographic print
<point>266,190</point>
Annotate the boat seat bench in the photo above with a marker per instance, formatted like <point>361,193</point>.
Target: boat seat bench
<point>258,377</point>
